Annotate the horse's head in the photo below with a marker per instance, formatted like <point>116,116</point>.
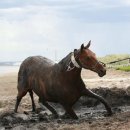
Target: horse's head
<point>87,59</point>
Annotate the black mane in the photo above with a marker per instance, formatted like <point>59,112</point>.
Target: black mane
<point>65,61</point>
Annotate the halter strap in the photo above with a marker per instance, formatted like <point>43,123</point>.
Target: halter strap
<point>74,61</point>
<point>69,68</point>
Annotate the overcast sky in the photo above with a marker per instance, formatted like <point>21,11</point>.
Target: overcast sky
<point>56,27</point>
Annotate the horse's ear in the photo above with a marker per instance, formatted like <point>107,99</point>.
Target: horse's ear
<point>88,45</point>
<point>82,47</point>
<point>75,50</point>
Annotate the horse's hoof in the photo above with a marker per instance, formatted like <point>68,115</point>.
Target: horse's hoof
<point>26,113</point>
<point>75,118</point>
<point>65,116</point>
<point>15,111</point>
<point>56,116</point>
<point>108,114</point>
<point>33,111</point>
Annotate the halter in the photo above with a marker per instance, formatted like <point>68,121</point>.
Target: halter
<point>75,64</point>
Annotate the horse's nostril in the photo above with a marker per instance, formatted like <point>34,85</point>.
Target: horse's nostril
<point>103,71</point>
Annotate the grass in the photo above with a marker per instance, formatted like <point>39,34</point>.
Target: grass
<point>124,68</point>
<point>117,65</point>
<point>114,57</point>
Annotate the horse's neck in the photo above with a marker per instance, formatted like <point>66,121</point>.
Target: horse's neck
<point>65,62</point>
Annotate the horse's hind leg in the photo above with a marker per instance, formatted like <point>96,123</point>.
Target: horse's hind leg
<point>70,111</point>
<point>48,106</point>
<point>89,93</point>
<point>18,99</point>
<point>21,93</point>
<point>33,103</point>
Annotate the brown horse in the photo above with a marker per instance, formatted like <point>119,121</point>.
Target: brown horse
<point>59,82</point>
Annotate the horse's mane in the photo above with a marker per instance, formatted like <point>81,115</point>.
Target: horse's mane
<point>65,61</point>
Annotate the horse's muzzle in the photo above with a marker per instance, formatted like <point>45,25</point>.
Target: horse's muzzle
<point>101,73</point>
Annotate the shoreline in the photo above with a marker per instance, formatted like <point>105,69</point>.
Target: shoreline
<point>5,70</point>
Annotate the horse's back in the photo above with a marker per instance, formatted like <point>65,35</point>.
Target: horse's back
<point>34,62</point>
<point>37,61</point>
<point>33,68</point>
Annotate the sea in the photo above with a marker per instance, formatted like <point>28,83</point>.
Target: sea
<point>10,68</point>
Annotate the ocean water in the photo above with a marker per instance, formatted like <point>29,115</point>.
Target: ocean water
<point>8,69</point>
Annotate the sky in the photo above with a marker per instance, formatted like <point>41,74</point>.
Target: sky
<point>53,28</point>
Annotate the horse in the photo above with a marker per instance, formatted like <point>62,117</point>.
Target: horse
<point>59,82</point>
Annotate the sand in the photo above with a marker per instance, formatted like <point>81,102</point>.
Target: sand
<point>119,121</point>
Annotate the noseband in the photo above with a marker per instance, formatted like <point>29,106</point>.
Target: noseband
<point>94,67</point>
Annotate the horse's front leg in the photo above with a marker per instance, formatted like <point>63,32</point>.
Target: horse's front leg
<point>89,93</point>
<point>48,106</point>
<point>70,111</point>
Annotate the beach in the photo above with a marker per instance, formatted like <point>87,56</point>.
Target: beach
<point>120,121</point>
<point>8,69</point>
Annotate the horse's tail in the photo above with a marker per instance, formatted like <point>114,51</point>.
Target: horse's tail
<point>22,77</point>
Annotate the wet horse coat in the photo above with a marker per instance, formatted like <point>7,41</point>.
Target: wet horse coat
<point>56,82</point>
